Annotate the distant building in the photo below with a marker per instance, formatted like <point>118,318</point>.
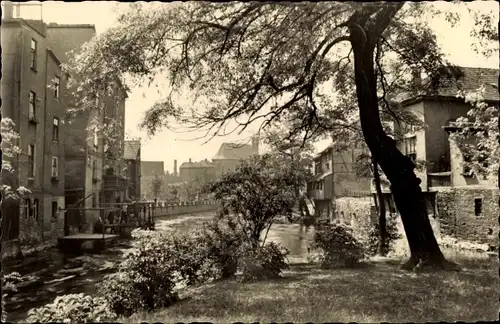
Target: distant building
<point>202,171</point>
<point>149,171</point>
<point>335,176</point>
<point>132,157</point>
<point>230,155</point>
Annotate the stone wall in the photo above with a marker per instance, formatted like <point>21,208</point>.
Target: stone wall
<point>358,212</point>
<point>457,215</point>
<point>361,214</point>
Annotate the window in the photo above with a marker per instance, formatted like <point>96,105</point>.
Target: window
<point>36,203</point>
<point>411,147</point>
<point>57,86</point>
<point>467,170</point>
<point>34,46</point>
<point>55,167</point>
<point>31,161</point>
<point>32,107</point>
<point>54,210</point>
<point>28,210</point>
<point>94,169</point>
<point>96,141</point>
<point>55,129</point>
<point>478,206</point>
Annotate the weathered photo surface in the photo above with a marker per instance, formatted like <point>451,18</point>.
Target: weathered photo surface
<point>250,161</point>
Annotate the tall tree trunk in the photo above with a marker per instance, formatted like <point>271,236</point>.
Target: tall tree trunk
<point>405,185</point>
<point>382,224</point>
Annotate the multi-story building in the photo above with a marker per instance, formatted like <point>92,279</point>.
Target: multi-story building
<point>230,155</point>
<point>132,156</point>
<point>202,171</point>
<point>464,205</point>
<point>114,174</point>
<point>33,97</point>
<point>335,176</point>
<point>84,150</point>
<point>103,180</point>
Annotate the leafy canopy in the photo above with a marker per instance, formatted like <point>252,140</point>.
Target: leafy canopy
<point>273,63</point>
<point>261,189</point>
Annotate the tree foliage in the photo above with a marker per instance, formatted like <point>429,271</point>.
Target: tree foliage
<point>260,190</point>
<point>157,184</point>
<point>315,67</point>
<point>478,135</point>
<point>10,163</point>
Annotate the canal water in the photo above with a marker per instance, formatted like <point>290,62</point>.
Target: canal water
<point>53,274</point>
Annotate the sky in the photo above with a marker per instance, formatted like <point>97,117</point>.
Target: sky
<point>169,145</point>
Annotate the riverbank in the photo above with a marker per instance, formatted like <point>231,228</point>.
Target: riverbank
<point>379,292</point>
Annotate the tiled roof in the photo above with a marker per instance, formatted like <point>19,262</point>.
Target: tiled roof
<point>150,168</point>
<point>131,150</point>
<point>471,80</point>
<point>234,151</point>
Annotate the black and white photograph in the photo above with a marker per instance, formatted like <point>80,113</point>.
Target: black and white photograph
<point>250,161</point>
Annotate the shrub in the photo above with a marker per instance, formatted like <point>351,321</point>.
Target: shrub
<point>146,278</point>
<point>338,247</point>
<point>393,235</point>
<point>262,262</point>
<point>223,239</point>
<point>73,308</point>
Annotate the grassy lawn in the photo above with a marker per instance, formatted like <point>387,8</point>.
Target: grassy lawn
<point>379,292</point>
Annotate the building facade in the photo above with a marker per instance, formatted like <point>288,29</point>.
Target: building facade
<point>464,205</point>
<point>335,176</point>
<point>115,181</point>
<point>84,150</point>
<point>230,155</point>
<point>132,156</point>
<point>32,96</point>
<point>202,171</point>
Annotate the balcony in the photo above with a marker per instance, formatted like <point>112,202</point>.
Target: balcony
<point>439,179</point>
<point>112,182</point>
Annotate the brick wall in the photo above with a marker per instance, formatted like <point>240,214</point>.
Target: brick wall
<point>457,215</point>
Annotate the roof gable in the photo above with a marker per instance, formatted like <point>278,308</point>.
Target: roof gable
<point>470,81</point>
<point>234,151</point>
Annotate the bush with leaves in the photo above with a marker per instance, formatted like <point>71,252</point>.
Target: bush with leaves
<point>338,246</point>
<point>147,276</point>
<point>223,239</point>
<point>262,262</point>
<point>73,308</point>
<point>392,235</point>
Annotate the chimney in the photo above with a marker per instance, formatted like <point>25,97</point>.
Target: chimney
<point>8,10</point>
<point>189,160</point>
<point>175,168</point>
<point>255,143</point>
